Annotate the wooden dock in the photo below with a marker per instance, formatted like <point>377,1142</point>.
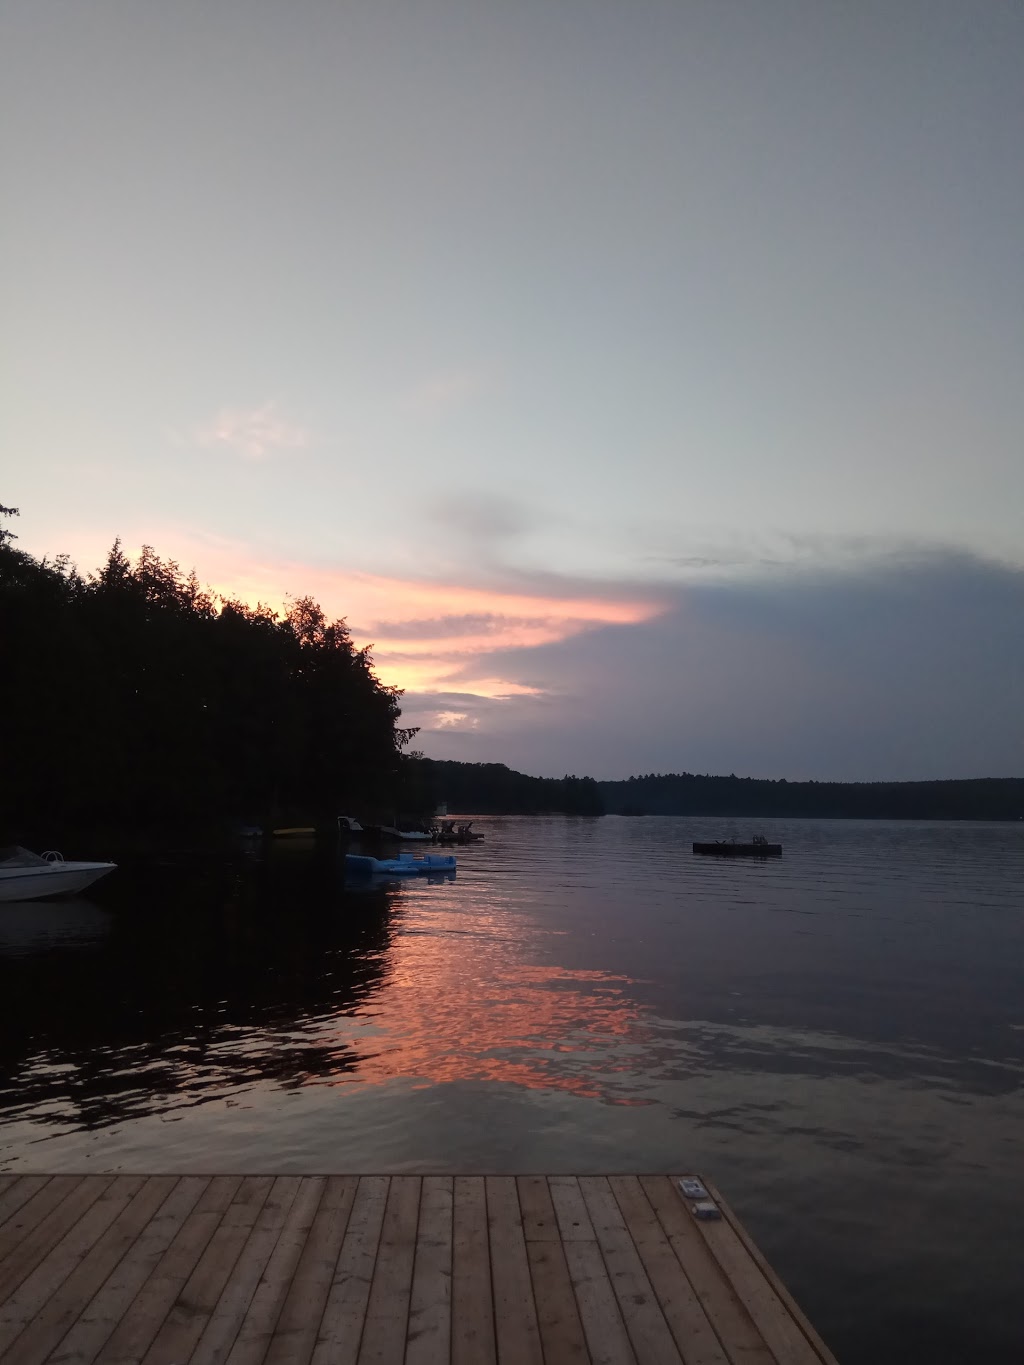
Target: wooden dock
<point>347,1270</point>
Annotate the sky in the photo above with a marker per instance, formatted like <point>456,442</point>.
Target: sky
<point>644,382</point>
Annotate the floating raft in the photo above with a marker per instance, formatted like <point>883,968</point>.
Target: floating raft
<point>426,1270</point>
<point>733,850</point>
<point>405,865</point>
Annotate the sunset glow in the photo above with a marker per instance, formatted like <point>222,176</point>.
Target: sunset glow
<point>432,637</point>
<point>425,636</point>
<point>443,1012</point>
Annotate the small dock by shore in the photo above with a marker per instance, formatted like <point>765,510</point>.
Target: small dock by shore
<point>417,1270</point>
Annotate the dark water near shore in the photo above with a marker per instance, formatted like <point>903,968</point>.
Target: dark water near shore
<point>837,1038</point>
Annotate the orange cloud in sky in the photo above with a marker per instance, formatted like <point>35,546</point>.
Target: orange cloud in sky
<point>441,674</point>
<point>491,620</point>
<point>426,637</point>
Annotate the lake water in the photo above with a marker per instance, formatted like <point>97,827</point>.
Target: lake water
<point>836,1038</point>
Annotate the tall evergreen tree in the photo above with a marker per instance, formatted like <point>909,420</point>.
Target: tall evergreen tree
<point>132,697</point>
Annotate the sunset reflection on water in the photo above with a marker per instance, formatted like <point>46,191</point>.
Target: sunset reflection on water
<point>463,999</point>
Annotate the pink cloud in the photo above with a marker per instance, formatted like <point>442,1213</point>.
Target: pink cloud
<point>255,434</point>
<point>426,637</point>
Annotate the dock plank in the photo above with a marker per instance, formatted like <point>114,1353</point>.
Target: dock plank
<point>473,1340</point>
<point>430,1306</point>
<point>87,1337</point>
<point>574,1223</point>
<point>31,1216</point>
<point>341,1326</point>
<point>68,1305</point>
<point>517,1331</point>
<point>134,1334</point>
<point>694,1335</point>
<point>539,1221</point>
<point>641,1312</point>
<point>299,1324</point>
<point>558,1319</point>
<point>26,1304</point>
<point>220,1332</point>
<point>18,1190</point>
<point>607,1338</point>
<point>188,1316</point>
<point>33,1249</point>
<point>725,1310</point>
<point>257,1327</point>
<point>387,1312</point>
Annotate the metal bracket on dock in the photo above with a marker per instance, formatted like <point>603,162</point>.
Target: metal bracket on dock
<point>702,1206</point>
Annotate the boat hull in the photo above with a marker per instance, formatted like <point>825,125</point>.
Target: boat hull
<point>55,879</point>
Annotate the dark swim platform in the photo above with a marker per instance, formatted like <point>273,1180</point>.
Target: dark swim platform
<point>755,849</point>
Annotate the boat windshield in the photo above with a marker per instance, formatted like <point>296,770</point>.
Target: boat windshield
<point>15,856</point>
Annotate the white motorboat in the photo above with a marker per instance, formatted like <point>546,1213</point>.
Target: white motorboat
<point>26,876</point>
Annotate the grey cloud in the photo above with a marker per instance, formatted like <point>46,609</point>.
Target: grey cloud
<point>793,552</point>
<point>485,516</point>
<point>899,670</point>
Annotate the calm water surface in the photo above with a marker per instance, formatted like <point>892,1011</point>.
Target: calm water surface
<point>837,1038</point>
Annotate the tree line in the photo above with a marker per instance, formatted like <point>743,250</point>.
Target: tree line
<point>694,794</point>
<point>133,697</point>
<point>492,788</point>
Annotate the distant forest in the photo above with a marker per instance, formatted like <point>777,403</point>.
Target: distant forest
<point>689,794</point>
<point>132,698</point>
<point>493,788</point>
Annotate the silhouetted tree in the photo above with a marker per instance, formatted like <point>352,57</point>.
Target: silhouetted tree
<point>6,536</point>
<point>131,696</point>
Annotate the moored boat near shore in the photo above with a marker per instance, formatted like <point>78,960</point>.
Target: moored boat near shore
<point>27,876</point>
<point>448,832</point>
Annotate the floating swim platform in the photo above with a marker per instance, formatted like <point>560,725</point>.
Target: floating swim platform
<point>735,850</point>
<point>405,865</point>
<point>315,1269</point>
